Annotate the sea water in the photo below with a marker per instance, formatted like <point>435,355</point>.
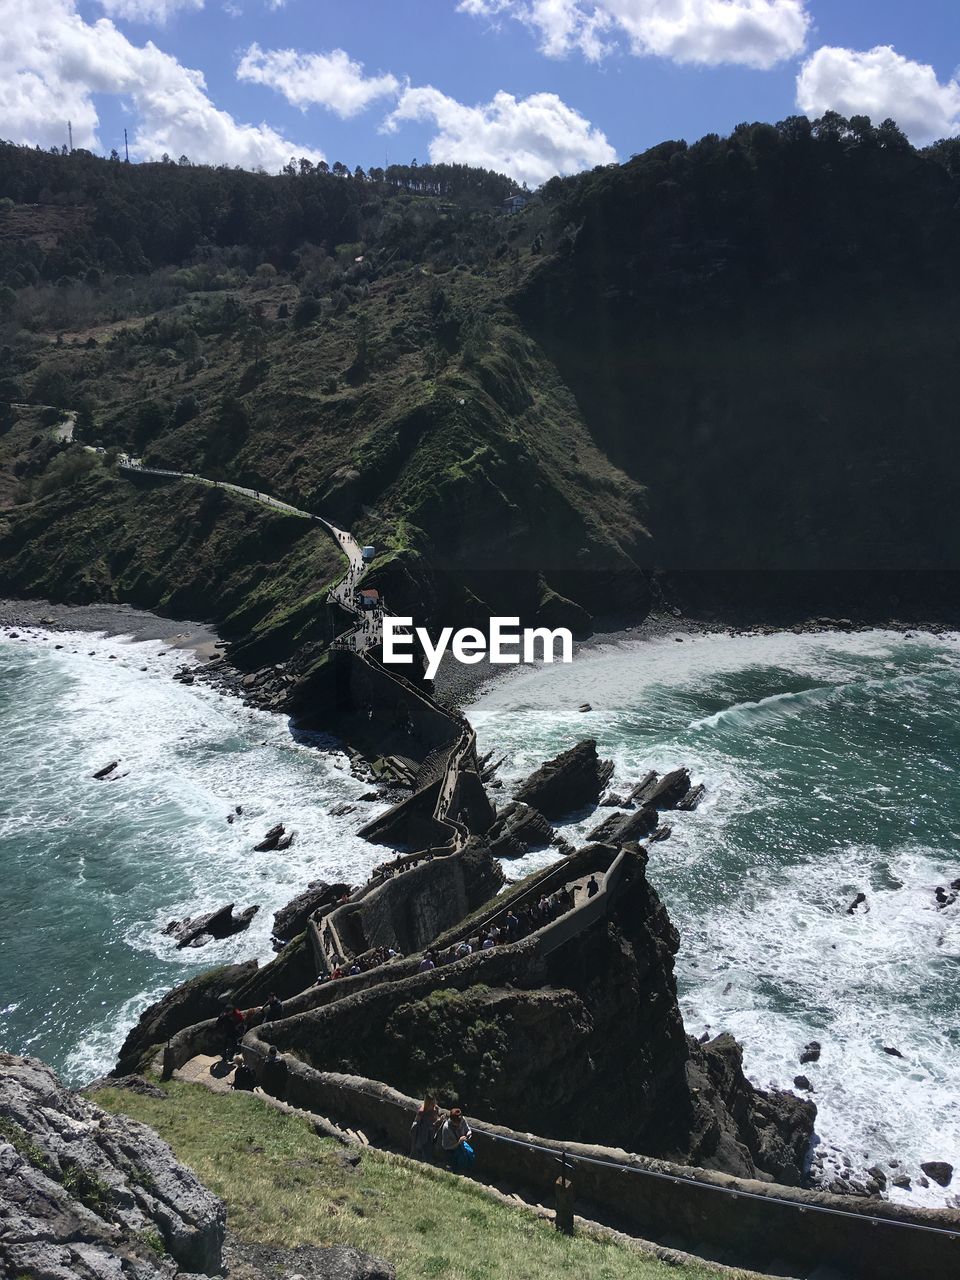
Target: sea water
<point>92,871</point>
<point>831,768</point>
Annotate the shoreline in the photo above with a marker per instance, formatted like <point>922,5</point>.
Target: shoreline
<point>29,616</point>
<point>460,685</point>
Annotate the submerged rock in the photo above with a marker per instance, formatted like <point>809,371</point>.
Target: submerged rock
<point>85,1194</point>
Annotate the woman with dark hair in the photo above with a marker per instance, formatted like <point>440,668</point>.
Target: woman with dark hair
<point>455,1140</point>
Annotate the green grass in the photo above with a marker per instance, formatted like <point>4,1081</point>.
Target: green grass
<point>284,1186</point>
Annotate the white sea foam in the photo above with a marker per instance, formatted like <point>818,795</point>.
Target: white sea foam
<point>830,764</point>
<point>124,857</point>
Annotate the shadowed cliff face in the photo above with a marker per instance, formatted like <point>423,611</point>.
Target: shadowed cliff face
<point>758,328</point>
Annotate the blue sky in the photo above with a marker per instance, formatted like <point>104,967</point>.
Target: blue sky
<point>532,86</point>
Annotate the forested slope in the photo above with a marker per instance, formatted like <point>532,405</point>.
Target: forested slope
<point>730,361</point>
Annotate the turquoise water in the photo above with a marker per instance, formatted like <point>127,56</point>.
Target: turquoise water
<point>91,871</point>
<point>831,766</point>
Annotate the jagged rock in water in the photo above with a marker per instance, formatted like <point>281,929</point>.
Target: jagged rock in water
<point>518,829</point>
<point>662,793</point>
<point>570,781</point>
<point>811,1053</point>
<point>271,840</point>
<point>194,1001</point>
<point>197,931</point>
<point>692,798</point>
<point>292,919</point>
<point>612,801</point>
<point>620,828</point>
<point>83,1193</point>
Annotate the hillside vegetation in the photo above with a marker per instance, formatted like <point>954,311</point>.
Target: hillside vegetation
<point>731,358</point>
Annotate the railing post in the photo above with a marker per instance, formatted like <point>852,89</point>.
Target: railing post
<point>564,1199</point>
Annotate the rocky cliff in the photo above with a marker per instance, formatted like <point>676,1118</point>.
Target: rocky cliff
<point>86,1195</point>
<point>586,1043</point>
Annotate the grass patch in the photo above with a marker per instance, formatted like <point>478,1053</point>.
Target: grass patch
<point>284,1186</point>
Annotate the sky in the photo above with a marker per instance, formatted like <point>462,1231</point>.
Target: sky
<point>527,87</point>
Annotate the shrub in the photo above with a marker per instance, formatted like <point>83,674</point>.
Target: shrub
<point>65,471</point>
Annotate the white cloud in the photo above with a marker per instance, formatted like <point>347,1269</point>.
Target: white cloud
<point>52,63</point>
<point>532,139</point>
<point>880,83</point>
<point>332,80</point>
<point>752,33</point>
<point>147,10</point>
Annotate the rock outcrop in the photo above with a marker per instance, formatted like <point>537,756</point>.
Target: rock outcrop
<point>292,919</point>
<point>517,830</point>
<point>651,795</point>
<point>584,1041</point>
<point>570,781</point>
<point>197,931</point>
<point>620,828</point>
<point>86,1195</point>
<point>194,1001</point>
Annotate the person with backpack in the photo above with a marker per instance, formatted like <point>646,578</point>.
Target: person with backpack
<point>455,1136</point>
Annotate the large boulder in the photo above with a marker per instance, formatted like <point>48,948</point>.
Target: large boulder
<point>86,1195</point>
<point>570,781</point>
<point>194,1001</point>
<point>939,1171</point>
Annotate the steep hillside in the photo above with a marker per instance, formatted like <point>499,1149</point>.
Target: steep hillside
<point>760,328</point>
<point>743,346</point>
